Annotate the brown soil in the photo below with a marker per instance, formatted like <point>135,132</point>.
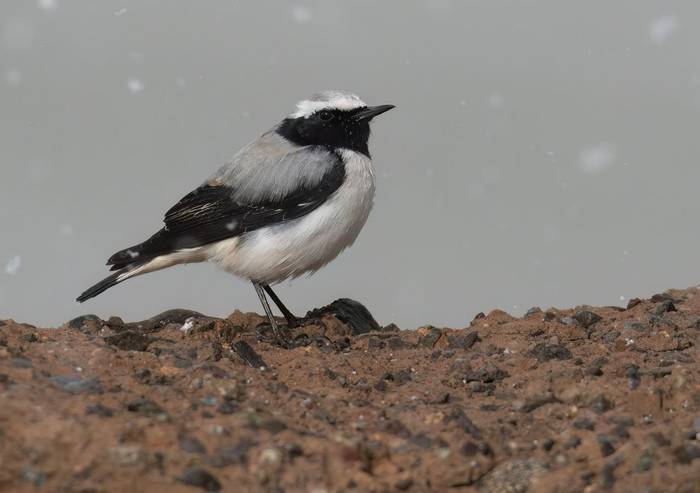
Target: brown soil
<point>587,399</point>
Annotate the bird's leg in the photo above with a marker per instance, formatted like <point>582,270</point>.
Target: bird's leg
<point>292,321</point>
<point>275,328</point>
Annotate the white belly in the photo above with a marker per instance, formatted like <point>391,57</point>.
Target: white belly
<point>303,245</point>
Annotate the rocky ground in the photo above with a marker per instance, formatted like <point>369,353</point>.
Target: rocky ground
<point>585,399</point>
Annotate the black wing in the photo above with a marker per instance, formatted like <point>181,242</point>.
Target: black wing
<point>210,214</point>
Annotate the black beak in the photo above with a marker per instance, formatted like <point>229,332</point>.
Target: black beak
<point>368,113</point>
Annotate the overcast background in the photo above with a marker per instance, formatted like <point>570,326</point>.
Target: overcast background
<point>542,152</point>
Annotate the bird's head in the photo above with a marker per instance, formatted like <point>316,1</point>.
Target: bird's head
<point>336,119</point>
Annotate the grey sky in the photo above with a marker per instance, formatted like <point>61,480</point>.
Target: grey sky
<point>541,153</point>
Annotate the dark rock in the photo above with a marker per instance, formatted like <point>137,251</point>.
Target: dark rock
<point>469,449</point>
<point>479,316</point>
<point>248,354</point>
<point>375,343</point>
<point>664,307</point>
<point>191,444</point>
<point>486,374</point>
<point>611,336</point>
<point>294,450</point>
<point>572,442</point>
<point>586,318</point>
<point>638,326</point>
<point>660,372</point>
<point>546,352</point>
<point>403,484</point>
<point>147,407</point>
<point>583,424</point>
<point>200,478</point>
<point>78,322</point>
<point>99,410</point>
<point>402,376</point>
<point>601,404</point>
<point>33,476</point>
<point>21,362</point>
<point>396,427</point>
<point>391,328</point>
<point>621,431</point>
<point>633,302</point>
<point>633,378</point>
<point>549,316</point>
<point>154,324</point>
<point>273,426</point>
<point>77,385</point>
<point>686,453</point>
<point>227,407</point>
<point>660,439</point>
<point>645,461</point>
<point>430,338</point>
<point>596,367</point>
<point>534,401</point>
<point>397,343</point>
<point>608,473</point>
<point>535,310</point>
<point>29,338</point>
<point>659,297</point>
<point>422,440</point>
<point>547,444</point>
<point>351,313</point>
<point>231,454</point>
<point>606,446</point>
<point>457,415</point>
<point>462,341</point>
<point>129,341</point>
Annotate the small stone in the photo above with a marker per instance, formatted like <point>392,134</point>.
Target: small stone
<point>248,354</point>
<point>611,336</point>
<point>273,426</point>
<point>77,385</point>
<point>535,310</point>
<point>583,424</point>
<point>78,322</point>
<point>544,352</point>
<point>231,454</point>
<point>147,407</point>
<point>686,453</point>
<point>572,442</point>
<point>586,318</point>
<point>21,362</point>
<point>200,478</point>
<point>547,444</point>
<point>395,343</point>
<point>403,484</point>
<point>601,404</point>
<point>430,337</point>
<point>606,446</point>
<point>462,341</point>
<point>33,476</point>
<point>190,444</point>
<point>596,367</point>
<point>645,461</point>
<point>633,302</point>
<point>226,407</point>
<point>99,410</point>
<point>664,307</point>
<point>633,378</point>
<point>638,326</point>
<point>129,340</point>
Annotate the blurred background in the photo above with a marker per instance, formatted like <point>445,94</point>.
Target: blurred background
<point>542,152</point>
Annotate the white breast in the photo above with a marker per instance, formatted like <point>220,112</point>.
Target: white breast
<point>304,245</point>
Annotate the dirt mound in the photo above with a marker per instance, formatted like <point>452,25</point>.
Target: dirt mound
<point>586,399</point>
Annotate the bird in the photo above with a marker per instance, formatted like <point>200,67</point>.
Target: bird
<point>284,206</point>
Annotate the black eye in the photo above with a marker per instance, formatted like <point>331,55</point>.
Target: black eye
<point>326,116</point>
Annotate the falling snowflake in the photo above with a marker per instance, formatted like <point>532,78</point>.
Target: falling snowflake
<point>134,85</point>
<point>13,265</point>
<point>301,14</point>
<point>597,158</point>
<point>662,28</point>
<point>121,12</point>
<point>48,5</point>
<point>496,101</point>
<point>13,77</point>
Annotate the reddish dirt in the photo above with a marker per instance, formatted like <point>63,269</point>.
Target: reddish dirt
<point>586,399</point>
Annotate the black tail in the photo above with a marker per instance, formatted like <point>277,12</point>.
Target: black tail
<point>103,285</point>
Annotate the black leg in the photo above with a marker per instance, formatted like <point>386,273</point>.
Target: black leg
<point>275,328</point>
<point>292,321</point>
